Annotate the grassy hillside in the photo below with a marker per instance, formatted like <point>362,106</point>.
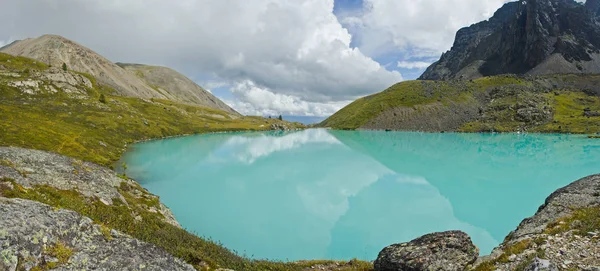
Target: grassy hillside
<point>557,103</point>
<point>84,125</point>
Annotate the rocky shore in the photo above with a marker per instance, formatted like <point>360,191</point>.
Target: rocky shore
<point>562,235</point>
<point>35,235</point>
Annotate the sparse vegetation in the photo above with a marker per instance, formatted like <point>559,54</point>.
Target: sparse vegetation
<point>513,249</point>
<point>581,222</point>
<point>19,63</point>
<point>10,164</point>
<point>64,66</point>
<point>61,252</point>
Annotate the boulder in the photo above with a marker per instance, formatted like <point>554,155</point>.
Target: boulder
<point>279,127</point>
<point>541,265</point>
<point>445,251</point>
<point>34,235</point>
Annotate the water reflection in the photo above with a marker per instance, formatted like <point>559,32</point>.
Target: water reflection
<point>492,181</point>
<point>247,149</point>
<point>332,194</point>
<point>396,208</point>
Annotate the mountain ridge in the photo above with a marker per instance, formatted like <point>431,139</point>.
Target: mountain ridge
<point>175,86</point>
<point>534,37</point>
<point>55,50</point>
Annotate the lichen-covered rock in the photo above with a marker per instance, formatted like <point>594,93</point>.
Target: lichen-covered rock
<point>279,127</point>
<point>541,265</point>
<point>57,76</point>
<point>32,167</point>
<point>33,234</point>
<point>452,250</point>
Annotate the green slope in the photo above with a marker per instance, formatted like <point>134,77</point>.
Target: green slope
<point>556,103</point>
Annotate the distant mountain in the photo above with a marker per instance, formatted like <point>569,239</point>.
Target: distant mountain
<point>142,82</point>
<point>304,119</point>
<point>175,86</point>
<point>532,37</point>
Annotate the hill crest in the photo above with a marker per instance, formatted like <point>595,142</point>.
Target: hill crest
<point>55,50</point>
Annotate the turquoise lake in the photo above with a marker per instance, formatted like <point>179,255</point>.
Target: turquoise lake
<point>321,194</point>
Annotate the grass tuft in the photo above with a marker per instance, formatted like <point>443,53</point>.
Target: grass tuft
<point>581,222</point>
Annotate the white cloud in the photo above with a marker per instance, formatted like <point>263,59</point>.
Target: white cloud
<point>413,64</point>
<point>418,28</point>
<point>421,28</point>
<point>255,100</point>
<point>292,48</point>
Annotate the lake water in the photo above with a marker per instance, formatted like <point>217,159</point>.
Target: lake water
<point>320,194</point>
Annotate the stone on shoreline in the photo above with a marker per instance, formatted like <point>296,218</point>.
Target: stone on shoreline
<point>445,251</point>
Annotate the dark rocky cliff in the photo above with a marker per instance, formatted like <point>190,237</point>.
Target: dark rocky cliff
<point>528,37</point>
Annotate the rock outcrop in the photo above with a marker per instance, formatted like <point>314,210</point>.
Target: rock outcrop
<point>541,265</point>
<point>30,168</point>
<point>563,234</point>
<point>451,251</point>
<point>531,37</point>
<point>37,235</point>
<point>51,81</point>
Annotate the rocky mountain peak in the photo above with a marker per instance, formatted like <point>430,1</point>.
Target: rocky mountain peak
<point>525,37</point>
<point>594,6</point>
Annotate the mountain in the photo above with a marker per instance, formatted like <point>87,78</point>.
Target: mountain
<point>175,86</point>
<point>56,50</point>
<point>533,37</point>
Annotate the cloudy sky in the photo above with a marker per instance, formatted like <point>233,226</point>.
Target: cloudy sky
<point>263,57</point>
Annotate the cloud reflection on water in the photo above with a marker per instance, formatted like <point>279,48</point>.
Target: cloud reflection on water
<point>300,195</point>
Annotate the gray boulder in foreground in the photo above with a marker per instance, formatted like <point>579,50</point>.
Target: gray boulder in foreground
<point>452,250</point>
<point>34,234</point>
